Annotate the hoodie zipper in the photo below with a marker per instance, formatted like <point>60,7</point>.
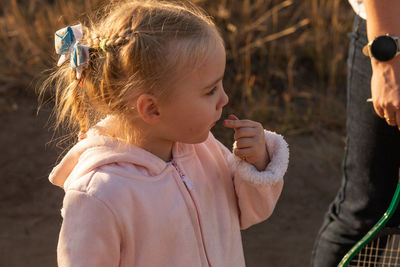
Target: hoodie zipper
<point>189,186</point>
<point>184,178</point>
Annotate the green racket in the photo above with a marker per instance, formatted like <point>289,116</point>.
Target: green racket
<point>380,246</point>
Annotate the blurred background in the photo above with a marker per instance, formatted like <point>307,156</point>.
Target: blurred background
<point>286,68</point>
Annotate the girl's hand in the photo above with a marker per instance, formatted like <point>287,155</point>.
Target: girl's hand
<point>250,141</point>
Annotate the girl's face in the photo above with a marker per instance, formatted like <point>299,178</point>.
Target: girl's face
<point>196,102</point>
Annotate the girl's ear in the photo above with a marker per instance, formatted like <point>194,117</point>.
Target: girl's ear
<point>147,107</point>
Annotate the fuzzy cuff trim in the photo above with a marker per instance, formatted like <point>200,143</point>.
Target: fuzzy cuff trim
<point>278,151</point>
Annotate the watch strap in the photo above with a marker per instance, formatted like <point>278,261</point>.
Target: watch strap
<point>366,49</point>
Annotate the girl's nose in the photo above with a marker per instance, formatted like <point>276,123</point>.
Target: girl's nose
<point>224,99</point>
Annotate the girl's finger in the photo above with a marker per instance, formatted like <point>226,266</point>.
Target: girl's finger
<point>245,132</point>
<point>245,143</point>
<point>240,123</point>
<point>242,152</point>
<point>232,117</point>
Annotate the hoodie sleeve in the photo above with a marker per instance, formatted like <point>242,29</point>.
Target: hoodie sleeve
<point>258,191</point>
<point>89,235</point>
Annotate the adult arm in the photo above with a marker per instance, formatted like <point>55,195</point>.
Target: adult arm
<point>383,16</point>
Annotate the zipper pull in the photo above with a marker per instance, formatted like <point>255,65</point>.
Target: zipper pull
<point>188,182</point>
<point>184,178</point>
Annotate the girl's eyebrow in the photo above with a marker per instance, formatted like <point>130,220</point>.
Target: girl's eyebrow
<point>217,80</point>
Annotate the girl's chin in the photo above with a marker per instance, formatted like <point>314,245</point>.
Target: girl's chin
<point>198,139</point>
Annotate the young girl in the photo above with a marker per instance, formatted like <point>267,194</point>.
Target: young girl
<point>147,184</point>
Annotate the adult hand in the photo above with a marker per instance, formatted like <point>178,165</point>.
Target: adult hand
<point>250,141</point>
<point>385,90</point>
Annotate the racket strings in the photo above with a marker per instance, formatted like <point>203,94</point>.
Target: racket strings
<point>383,251</point>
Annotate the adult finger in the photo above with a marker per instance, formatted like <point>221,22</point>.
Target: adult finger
<point>378,109</point>
<point>390,117</point>
<point>398,118</point>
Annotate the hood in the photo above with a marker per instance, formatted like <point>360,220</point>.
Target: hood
<point>97,150</point>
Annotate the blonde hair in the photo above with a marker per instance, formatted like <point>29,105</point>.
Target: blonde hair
<point>132,51</point>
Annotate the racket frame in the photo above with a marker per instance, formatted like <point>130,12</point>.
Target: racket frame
<point>374,230</point>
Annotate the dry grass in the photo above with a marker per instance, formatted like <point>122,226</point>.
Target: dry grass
<point>286,58</point>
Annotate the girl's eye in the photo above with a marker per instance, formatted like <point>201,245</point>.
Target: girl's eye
<point>212,91</point>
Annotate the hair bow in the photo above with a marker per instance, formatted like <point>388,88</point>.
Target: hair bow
<point>67,45</point>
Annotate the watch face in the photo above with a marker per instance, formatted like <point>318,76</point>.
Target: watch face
<point>384,48</point>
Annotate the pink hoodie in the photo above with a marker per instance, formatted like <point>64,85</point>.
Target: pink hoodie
<point>125,207</point>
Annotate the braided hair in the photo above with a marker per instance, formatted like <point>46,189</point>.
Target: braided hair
<point>134,48</point>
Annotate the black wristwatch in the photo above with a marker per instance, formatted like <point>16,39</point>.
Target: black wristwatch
<point>383,48</point>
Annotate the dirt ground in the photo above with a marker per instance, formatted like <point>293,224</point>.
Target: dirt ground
<point>29,204</point>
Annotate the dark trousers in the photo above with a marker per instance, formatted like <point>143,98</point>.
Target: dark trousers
<point>370,166</point>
